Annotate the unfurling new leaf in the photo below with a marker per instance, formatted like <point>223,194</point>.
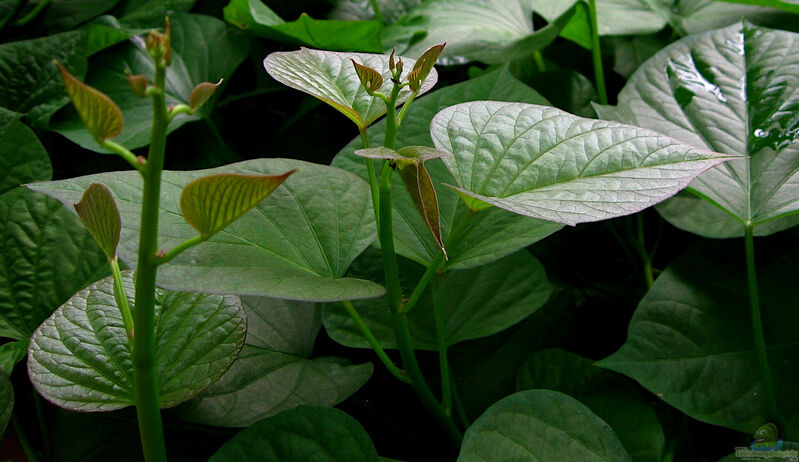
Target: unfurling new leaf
<point>410,165</point>
<point>138,83</point>
<point>213,202</point>
<point>202,93</point>
<point>371,80</point>
<point>101,115</point>
<point>423,66</point>
<point>99,213</point>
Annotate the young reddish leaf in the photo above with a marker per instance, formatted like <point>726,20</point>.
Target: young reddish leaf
<point>423,66</point>
<point>138,83</point>
<point>212,202</point>
<point>370,78</point>
<point>159,45</point>
<point>99,113</point>
<point>202,93</point>
<point>99,213</point>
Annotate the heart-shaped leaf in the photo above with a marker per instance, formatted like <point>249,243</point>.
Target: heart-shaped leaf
<point>99,213</point>
<point>491,233</point>
<point>546,163</point>
<point>306,433</point>
<point>255,18</point>
<point>544,425</point>
<point>213,202</point>
<point>192,36</point>
<point>99,113</point>
<point>22,157</point>
<point>475,30</point>
<point>733,91</point>
<point>79,358</point>
<point>6,400</point>
<point>296,244</point>
<point>480,301</point>
<point>47,256</point>
<point>274,371</point>
<point>690,340</point>
<point>612,397</point>
<point>330,77</point>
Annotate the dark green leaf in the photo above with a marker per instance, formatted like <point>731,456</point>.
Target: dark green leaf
<point>22,156</point>
<point>545,163</point>
<point>193,36</point>
<point>66,14</point>
<point>296,244</point>
<point>568,90</point>
<point>11,354</point>
<point>47,256</point>
<point>6,401</point>
<point>274,371</point>
<point>540,425</point>
<point>80,359</point>
<point>308,434</point>
<point>99,213</point>
<point>690,341</point>
<point>257,19</point>
<point>787,5</point>
<point>480,302</point>
<point>491,233</point>
<point>151,13</point>
<point>733,91</point>
<point>390,10</point>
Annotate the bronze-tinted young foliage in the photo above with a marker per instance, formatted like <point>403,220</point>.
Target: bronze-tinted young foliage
<point>99,213</point>
<point>99,113</point>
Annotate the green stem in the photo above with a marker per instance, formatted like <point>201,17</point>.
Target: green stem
<point>122,299</point>
<point>125,153</point>
<point>596,52</point>
<point>538,59</point>
<point>757,328</point>
<point>14,10</point>
<point>370,167</point>
<point>399,320</point>
<point>640,246</point>
<point>178,109</point>
<point>30,453</point>
<point>367,333</point>
<point>460,409</point>
<point>405,108</point>
<point>440,309</point>
<point>376,9</point>
<point>145,384</point>
<point>180,248</point>
<point>33,14</point>
<point>390,140</point>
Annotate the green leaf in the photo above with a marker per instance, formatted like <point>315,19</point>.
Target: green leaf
<point>690,340</point>
<point>99,213</point>
<point>540,425</point>
<point>390,10</point>
<point>213,202</point>
<point>193,36</point>
<point>733,91</point>
<point>66,14</point>
<point>491,233</point>
<point>612,397</point>
<point>695,16</point>
<point>476,30</point>
<point>790,6</point>
<point>99,113</point>
<point>47,256</point>
<point>309,434</point>
<point>255,18</point>
<point>274,371</point>
<point>568,90</point>
<point>11,354</point>
<point>296,244</point>
<point>22,156</point>
<point>79,358</point>
<point>330,77</point>
<point>480,302</point>
<point>6,401</point>
<point>546,163</point>
<point>151,13</point>
<point>631,53</point>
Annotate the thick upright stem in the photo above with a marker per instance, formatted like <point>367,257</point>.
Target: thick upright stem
<point>148,407</point>
<point>757,328</point>
<point>596,51</point>
<point>399,320</point>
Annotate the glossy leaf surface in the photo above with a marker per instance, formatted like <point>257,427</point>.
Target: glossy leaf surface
<point>491,233</point>
<point>99,113</point>
<point>47,256</point>
<point>275,371</point>
<point>540,425</point>
<point>480,302</point>
<point>330,77</point>
<point>733,91</point>
<point>203,50</point>
<point>213,202</point>
<point>296,244</point>
<point>690,340</point>
<point>79,358</point>
<point>22,156</point>
<point>99,213</point>
<point>546,163</point>
<point>307,433</point>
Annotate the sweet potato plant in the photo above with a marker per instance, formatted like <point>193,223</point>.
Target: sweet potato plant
<point>466,230</point>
